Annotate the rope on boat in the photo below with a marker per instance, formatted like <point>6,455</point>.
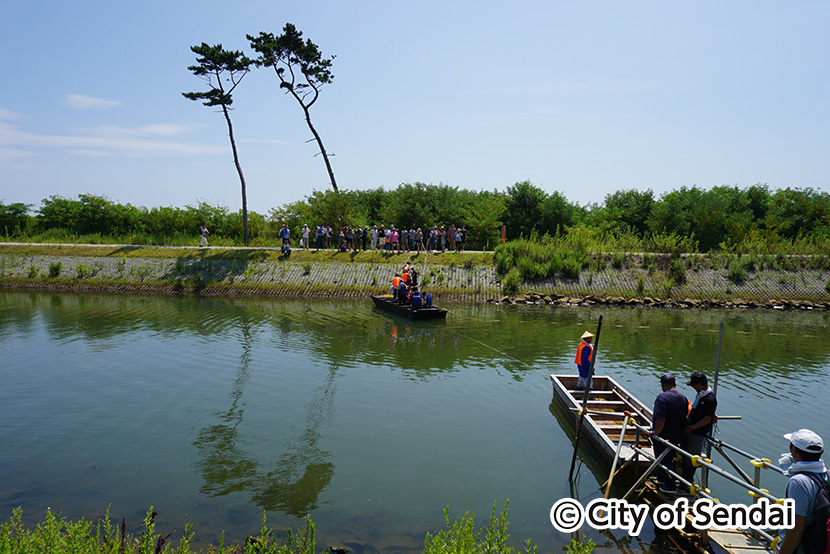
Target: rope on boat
<point>505,354</point>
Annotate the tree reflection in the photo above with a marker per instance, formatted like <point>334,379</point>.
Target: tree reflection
<point>303,472</point>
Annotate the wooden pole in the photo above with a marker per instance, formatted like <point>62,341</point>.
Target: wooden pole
<point>585,400</point>
<point>717,361</point>
<point>617,455</point>
<point>707,448</point>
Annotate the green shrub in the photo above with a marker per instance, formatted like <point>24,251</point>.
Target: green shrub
<point>33,271</point>
<point>579,547</point>
<point>512,282</point>
<point>736,271</point>
<point>461,537</point>
<point>54,269</point>
<point>573,265</point>
<point>677,271</point>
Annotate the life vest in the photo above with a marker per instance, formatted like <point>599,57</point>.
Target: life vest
<point>583,344</point>
<point>405,277</point>
<point>396,281</point>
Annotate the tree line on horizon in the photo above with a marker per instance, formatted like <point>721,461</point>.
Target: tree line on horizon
<point>688,219</point>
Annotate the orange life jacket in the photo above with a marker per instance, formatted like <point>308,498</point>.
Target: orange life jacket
<point>583,344</point>
<point>396,281</point>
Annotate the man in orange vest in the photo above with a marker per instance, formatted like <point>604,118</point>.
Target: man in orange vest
<point>583,359</point>
<point>396,281</point>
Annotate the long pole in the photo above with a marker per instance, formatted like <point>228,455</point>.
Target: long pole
<point>717,361</point>
<point>707,448</point>
<point>585,400</point>
<point>617,455</point>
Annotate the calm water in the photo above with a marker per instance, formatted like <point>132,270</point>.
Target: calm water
<point>215,410</point>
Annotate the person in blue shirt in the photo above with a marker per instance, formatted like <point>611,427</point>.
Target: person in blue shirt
<point>669,419</point>
<point>804,466</point>
<point>583,359</point>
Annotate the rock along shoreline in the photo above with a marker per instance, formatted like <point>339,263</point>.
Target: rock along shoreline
<point>326,274</point>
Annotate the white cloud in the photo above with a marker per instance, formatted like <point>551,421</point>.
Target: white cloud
<point>149,141</point>
<point>84,102</point>
<point>11,158</point>
<point>8,115</point>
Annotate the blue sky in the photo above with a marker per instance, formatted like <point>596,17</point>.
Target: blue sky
<point>584,98</point>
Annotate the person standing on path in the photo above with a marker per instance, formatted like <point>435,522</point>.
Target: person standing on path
<point>203,230</point>
<point>304,237</point>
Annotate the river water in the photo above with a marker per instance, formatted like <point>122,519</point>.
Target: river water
<point>215,411</point>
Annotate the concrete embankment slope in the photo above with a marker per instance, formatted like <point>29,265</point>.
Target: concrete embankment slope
<point>466,276</point>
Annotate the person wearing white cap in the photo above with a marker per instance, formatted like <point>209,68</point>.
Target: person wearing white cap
<point>807,473</point>
<point>583,359</point>
<point>304,237</point>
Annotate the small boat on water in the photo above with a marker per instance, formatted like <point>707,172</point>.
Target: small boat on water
<point>607,403</point>
<point>390,304</point>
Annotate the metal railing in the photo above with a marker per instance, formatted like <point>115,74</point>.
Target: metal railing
<point>752,485</point>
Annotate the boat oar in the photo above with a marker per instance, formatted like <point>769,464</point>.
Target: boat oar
<point>617,454</point>
<point>585,400</point>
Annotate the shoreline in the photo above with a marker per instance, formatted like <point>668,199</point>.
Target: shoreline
<point>468,276</point>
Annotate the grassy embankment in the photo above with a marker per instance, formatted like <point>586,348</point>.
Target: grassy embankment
<point>515,271</point>
<point>236,271</point>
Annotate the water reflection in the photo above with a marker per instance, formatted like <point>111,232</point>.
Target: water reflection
<point>303,471</point>
<point>370,423</point>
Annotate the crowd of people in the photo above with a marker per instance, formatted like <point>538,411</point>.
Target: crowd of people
<point>387,238</point>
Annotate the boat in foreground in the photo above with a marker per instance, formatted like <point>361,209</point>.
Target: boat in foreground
<point>390,304</point>
<point>607,403</point>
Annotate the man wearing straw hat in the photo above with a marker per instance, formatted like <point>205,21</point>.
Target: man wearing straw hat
<point>583,359</point>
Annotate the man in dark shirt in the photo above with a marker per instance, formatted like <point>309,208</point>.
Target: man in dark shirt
<point>700,420</point>
<point>670,410</point>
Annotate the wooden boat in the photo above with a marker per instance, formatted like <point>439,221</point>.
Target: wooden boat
<point>607,402</point>
<point>386,302</point>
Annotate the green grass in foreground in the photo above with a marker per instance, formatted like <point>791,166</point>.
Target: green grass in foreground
<point>55,534</point>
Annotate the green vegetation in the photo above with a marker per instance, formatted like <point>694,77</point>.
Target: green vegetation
<point>540,259</point>
<point>55,269</point>
<point>726,220</point>
<point>55,534</point>
<point>461,537</point>
<point>580,547</point>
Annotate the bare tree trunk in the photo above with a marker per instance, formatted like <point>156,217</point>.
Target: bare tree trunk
<point>241,176</point>
<point>319,143</point>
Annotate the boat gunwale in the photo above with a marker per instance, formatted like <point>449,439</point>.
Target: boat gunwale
<point>599,437</point>
<point>385,302</point>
